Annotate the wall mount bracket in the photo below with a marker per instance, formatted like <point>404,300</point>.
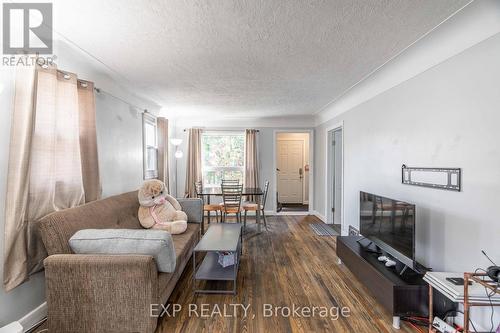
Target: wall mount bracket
<point>440,178</point>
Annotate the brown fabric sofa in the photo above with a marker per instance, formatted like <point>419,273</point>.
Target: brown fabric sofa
<point>108,293</point>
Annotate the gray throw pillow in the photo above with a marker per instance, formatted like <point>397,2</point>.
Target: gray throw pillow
<point>157,243</point>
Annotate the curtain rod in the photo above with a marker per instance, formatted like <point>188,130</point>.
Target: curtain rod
<point>100,91</point>
<point>219,130</point>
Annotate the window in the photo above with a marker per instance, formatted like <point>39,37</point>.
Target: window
<point>222,157</point>
<point>150,146</point>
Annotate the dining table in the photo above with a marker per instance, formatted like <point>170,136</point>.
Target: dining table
<point>216,191</point>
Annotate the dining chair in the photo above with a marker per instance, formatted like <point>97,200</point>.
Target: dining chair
<point>231,196</point>
<point>226,182</point>
<point>252,206</point>
<point>206,207</point>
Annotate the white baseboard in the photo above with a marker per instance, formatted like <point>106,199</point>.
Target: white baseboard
<point>14,327</point>
<point>319,216</point>
<point>34,317</point>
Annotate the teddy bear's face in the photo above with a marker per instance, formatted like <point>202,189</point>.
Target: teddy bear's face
<point>152,193</point>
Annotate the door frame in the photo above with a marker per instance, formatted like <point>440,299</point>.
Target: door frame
<point>329,175</point>
<point>274,186</point>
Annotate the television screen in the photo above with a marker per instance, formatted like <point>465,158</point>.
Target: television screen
<point>390,224</point>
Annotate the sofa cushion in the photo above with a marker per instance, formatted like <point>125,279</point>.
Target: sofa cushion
<point>184,244</point>
<point>193,208</point>
<point>156,243</point>
<point>116,212</point>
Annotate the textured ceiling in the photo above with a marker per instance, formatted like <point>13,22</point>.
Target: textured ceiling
<point>246,58</point>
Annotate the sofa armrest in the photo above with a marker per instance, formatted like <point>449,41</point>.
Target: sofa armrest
<point>101,293</point>
<point>193,209</point>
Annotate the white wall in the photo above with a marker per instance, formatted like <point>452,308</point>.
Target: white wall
<point>448,116</point>
<point>119,140</point>
<point>120,155</point>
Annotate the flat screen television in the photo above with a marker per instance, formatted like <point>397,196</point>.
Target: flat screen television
<point>390,224</point>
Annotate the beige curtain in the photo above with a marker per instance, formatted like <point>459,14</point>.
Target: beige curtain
<point>16,240</point>
<point>251,160</point>
<point>46,172</point>
<point>163,171</point>
<point>193,162</point>
<point>88,141</point>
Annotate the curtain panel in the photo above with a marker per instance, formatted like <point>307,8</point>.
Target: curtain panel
<point>193,162</point>
<point>88,141</point>
<point>251,160</point>
<point>163,169</point>
<point>52,161</point>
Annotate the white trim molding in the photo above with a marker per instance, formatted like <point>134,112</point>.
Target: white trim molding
<point>34,317</point>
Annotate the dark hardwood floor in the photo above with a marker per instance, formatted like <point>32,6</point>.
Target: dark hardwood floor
<point>286,265</point>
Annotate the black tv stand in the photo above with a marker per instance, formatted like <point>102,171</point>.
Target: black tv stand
<point>366,247</point>
<point>363,245</point>
<point>400,290</point>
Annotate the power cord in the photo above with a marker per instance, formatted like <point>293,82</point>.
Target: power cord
<point>447,314</point>
<point>416,322</point>
<point>493,292</point>
<point>489,294</point>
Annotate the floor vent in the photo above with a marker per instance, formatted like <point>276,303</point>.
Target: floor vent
<point>322,229</point>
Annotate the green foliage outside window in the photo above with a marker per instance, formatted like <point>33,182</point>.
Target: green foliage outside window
<point>223,157</point>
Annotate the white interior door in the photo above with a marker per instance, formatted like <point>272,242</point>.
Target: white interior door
<point>334,179</point>
<point>290,170</point>
<point>337,176</point>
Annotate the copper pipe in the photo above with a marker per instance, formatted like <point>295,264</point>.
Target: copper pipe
<point>466,302</point>
<point>431,305</point>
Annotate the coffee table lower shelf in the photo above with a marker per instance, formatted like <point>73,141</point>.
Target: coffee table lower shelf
<point>211,270</point>
<point>220,237</point>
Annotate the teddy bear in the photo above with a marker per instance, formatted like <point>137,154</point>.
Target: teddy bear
<point>159,210</point>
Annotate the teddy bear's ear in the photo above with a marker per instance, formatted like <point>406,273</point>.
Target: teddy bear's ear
<point>147,187</point>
